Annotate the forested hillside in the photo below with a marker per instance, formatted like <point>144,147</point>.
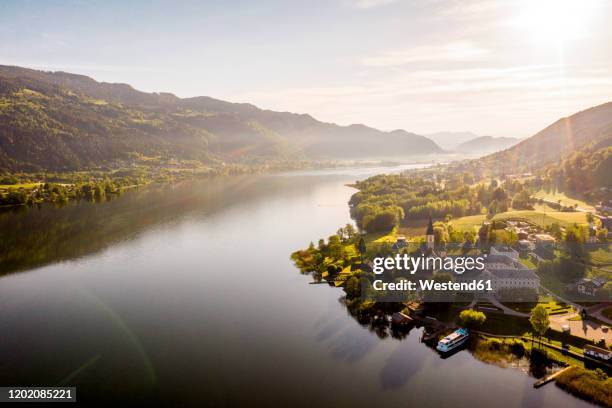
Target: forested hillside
<point>61,121</point>
<point>590,128</point>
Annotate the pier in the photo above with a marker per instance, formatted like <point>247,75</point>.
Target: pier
<point>549,378</point>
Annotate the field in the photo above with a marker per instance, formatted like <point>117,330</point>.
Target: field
<point>469,223</point>
<point>600,256</point>
<point>565,200</point>
<point>20,185</point>
<point>553,307</point>
<point>543,219</point>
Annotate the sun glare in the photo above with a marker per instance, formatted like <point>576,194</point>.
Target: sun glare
<point>557,20</point>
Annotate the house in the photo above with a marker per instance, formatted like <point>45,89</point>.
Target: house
<point>597,352</point>
<point>606,222</point>
<point>522,233</point>
<point>590,287</point>
<point>525,245</point>
<point>505,250</point>
<point>604,206</point>
<point>400,242</point>
<point>544,241</point>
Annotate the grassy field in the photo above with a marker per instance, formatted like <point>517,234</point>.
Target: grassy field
<point>19,185</point>
<point>528,263</point>
<point>587,385</point>
<point>549,304</point>
<point>469,223</point>
<point>543,219</point>
<point>413,228</point>
<point>601,256</point>
<point>565,200</point>
<point>382,237</point>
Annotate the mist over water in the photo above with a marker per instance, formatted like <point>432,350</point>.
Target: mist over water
<point>186,294</point>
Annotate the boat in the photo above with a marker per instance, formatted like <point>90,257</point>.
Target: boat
<point>453,340</point>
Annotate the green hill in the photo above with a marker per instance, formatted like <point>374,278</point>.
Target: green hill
<point>588,130</point>
<point>62,121</point>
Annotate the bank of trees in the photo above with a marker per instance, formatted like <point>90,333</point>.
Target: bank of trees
<point>64,192</point>
<point>386,201</point>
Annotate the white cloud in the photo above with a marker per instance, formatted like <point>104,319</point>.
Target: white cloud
<point>368,4</point>
<point>454,51</point>
<point>516,101</point>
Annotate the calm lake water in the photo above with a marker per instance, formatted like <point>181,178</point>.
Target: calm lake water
<point>186,294</point>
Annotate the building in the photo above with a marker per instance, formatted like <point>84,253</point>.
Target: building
<point>590,287</point>
<point>592,238</point>
<point>504,273</point>
<point>525,245</point>
<point>505,250</point>
<point>597,352</point>
<point>606,222</point>
<point>604,206</point>
<point>544,241</point>
<point>400,242</point>
<point>429,235</point>
<point>507,273</point>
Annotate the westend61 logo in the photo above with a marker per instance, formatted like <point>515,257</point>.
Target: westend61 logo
<point>412,264</point>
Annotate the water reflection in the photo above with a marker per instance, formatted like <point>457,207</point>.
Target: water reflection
<point>185,295</point>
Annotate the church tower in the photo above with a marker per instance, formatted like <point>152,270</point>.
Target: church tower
<point>429,235</point>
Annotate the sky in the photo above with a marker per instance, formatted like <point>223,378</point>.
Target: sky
<point>493,67</point>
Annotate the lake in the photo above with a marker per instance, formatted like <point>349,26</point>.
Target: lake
<point>185,294</point>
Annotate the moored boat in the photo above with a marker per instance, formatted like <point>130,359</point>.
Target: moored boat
<point>453,340</point>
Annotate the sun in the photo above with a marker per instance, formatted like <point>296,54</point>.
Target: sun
<point>557,21</point>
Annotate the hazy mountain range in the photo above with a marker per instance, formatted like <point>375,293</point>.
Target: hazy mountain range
<point>62,121</point>
<point>450,140</point>
<point>486,145</point>
<point>471,143</point>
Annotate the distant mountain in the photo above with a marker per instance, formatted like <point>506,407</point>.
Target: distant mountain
<point>580,141</point>
<point>486,144</point>
<point>589,128</point>
<point>450,140</point>
<point>62,121</point>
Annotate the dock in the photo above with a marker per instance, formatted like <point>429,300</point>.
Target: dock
<point>550,378</point>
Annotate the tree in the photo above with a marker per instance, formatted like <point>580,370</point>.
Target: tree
<point>353,287</point>
<point>602,235</point>
<point>522,201</point>
<point>362,247</point>
<point>539,320</point>
<point>606,291</point>
<point>472,318</point>
<point>349,231</point>
<point>590,218</point>
<point>440,235</point>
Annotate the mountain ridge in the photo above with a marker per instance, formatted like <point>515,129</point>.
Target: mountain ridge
<point>82,123</point>
<point>486,144</point>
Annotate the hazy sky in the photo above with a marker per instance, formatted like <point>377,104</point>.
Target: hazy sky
<point>502,68</point>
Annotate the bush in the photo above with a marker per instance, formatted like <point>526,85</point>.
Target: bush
<point>472,318</point>
<point>593,386</point>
